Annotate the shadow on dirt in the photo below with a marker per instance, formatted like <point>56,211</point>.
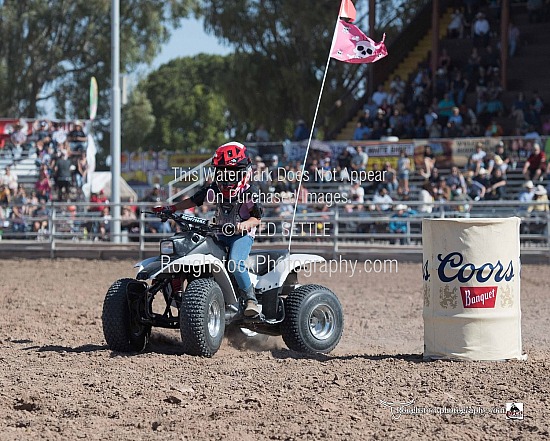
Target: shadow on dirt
<point>287,354</point>
<point>78,350</point>
<point>162,344</point>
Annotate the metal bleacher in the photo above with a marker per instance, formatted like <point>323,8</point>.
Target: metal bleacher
<point>25,168</point>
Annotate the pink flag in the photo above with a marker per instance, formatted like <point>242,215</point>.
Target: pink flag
<point>351,45</point>
<point>347,10</point>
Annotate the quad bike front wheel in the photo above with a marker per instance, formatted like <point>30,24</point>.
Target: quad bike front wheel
<point>121,327</point>
<point>314,320</point>
<point>202,318</point>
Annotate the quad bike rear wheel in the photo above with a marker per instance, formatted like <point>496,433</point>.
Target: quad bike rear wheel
<point>314,320</point>
<point>121,327</point>
<point>202,318</point>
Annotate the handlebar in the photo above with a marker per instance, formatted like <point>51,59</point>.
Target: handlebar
<point>188,223</point>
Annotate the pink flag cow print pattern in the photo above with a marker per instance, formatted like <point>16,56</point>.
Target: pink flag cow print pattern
<point>351,45</point>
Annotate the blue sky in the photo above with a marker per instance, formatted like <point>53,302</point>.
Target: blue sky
<point>188,40</point>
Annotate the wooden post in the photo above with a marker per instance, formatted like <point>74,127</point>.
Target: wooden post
<point>435,40</point>
<point>504,26</point>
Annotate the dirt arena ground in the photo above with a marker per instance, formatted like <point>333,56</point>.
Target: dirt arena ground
<point>58,380</point>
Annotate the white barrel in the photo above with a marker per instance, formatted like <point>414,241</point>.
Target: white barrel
<point>471,286</point>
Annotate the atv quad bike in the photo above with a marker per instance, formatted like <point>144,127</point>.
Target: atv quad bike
<point>200,296</point>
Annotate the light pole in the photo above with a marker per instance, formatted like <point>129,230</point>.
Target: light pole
<point>115,120</point>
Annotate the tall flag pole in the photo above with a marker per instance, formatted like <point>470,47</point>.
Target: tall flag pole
<point>350,45</point>
<point>115,120</point>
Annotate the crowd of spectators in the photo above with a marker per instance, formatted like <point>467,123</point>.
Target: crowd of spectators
<point>434,104</point>
<point>59,153</point>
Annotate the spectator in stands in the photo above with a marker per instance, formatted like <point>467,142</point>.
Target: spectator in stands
<point>474,188</point>
<point>442,192</point>
<point>393,97</point>
<point>456,118</point>
<point>77,137</point>
<point>494,129</point>
<point>435,130</point>
<point>128,220</point>
<point>537,103</point>
<point>513,38</point>
<point>17,219</point>
<point>459,87</point>
<point>398,85</point>
<point>455,181</point>
<point>390,174</point>
<point>546,126</point>
<point>370,110</point>
<point>428,159</point>
<point>382,200</point>
<point>156,197</point>
<point>399,226</point>
<point>476,161</point>
<point>357,193</point>
<point>403,173</point>
<point>360,159</point>
<point>99,201</point>
<point>344,161</point>
<point>518,110</point>
<point>481,30</point>
<point>426,197</point>
<point>5,195</point>
<point>445,108</point>
<point>59,135</point>
<point>10,180</point>
<point>43,186</point>
<point>42,131</point>
<point>379,96</point>
<point>262,135</point>
<point>527,194</point>
<point>541,199</point>
<point>361,132</point>
<point>441,84</point>
<point>62,173</point>
<point>18,138</point>
<point>105,224</point>
<point>301,131</point>
<point>535,166</point>
<point>434,177</point>
<point>81,171</point>
<point>494,102</point>
<point>456,26</point>
<point>497,187</point>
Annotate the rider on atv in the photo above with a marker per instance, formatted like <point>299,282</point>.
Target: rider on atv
<point>232,193</point>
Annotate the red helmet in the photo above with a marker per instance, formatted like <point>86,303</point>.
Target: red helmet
<point>233,169</point>
<point>232,154</point>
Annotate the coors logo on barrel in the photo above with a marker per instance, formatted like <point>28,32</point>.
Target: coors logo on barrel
<point>452,267</point>
<point>465,272</point>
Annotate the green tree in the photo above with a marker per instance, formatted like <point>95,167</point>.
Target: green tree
<point>281,54</point>
<point>186,95</point>
<point>51,48</point>
<point>137,120</point>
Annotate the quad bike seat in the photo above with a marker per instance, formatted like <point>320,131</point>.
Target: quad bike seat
<point>260,262</point>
